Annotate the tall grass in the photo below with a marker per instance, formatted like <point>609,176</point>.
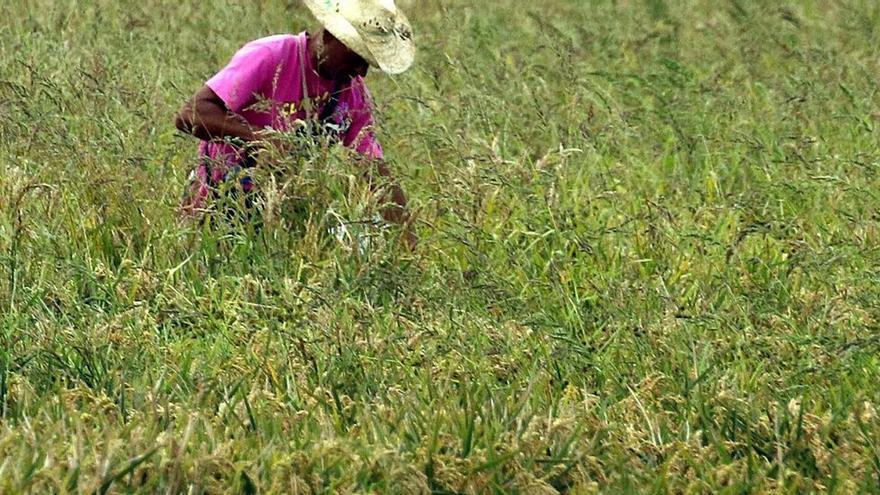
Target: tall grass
<point>648,258</point>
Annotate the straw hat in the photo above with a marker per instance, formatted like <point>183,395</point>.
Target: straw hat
<point>374,29</point>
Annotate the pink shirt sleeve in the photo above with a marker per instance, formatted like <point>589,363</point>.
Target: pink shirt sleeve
<point>245,78</point>
<point>360,135</point>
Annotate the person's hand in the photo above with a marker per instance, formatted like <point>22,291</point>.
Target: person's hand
<point>270,147</point>
<point>409,237</point>
<point>397,213</point>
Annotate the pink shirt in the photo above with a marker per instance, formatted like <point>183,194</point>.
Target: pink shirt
<point>263,83</point>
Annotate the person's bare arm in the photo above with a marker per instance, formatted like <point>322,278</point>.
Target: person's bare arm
<point>396,211</point>
<point>394,199</point>
<point>206,117</point>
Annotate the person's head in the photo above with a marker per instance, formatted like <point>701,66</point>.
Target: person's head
<point>335,61</point>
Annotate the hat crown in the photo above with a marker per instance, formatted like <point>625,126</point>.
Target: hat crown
<point>357,9</point>
<point>374,16</point>
<point>388,5</point>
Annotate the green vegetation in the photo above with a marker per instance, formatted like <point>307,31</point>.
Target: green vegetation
<point>648,260</point>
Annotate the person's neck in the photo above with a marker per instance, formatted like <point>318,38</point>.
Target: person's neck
<point>313,46</point>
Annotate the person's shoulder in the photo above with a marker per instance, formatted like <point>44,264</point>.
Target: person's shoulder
<point>359,92</point>
<point>278,43</point>
<point>359,87</point>
<point>270,49</point>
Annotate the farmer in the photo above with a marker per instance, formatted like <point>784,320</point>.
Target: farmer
<point>279,82</point>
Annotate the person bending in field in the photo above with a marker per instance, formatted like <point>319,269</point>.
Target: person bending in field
<point>276,83</point>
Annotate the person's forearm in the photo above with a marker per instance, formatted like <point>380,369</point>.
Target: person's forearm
<point>210,123</point>
<point>206,117</point>
<point>395,210</point>
<point>394,199</point>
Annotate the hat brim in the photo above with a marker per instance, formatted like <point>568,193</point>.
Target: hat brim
<point>390,53</point>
